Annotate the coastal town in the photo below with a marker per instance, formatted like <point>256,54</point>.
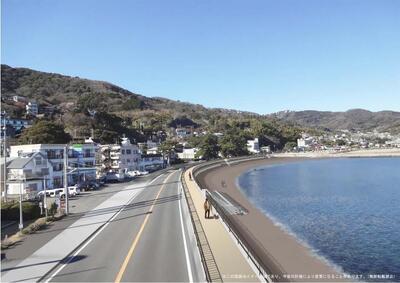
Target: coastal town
<point>200,141</point>
<point>34,167</point>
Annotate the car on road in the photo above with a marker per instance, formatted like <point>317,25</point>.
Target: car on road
<point>74,190</point>
<point>93,185</point>
<point>111,177</point>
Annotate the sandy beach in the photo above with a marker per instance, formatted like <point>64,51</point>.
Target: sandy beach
<point>374,152</point>
<point>282,251</point>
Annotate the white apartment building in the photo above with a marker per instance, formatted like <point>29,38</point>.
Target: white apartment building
<point>28,173</point>
<point>188,153</point>
<point>253,146</point>
<point>120,158</point>
<point>151,162</point>
<point>305,142</point>
<point>81,160</point>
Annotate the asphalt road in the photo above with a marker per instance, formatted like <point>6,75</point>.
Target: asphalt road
<point>79,205</point>
<point>150,239</point>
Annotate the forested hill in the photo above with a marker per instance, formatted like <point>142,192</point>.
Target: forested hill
<point>87,107</point>
<point>84,107</point>
<point>68,92</point>
<point>354,119</point>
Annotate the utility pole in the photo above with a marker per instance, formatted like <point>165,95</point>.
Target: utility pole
<point>21,221</point>
<point>66,179</point>
<point>5,156</point>
<point>45,196</point>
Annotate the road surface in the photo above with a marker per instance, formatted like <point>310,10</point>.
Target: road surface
<point>150,239</point>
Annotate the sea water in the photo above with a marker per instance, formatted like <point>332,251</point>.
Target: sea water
<point>346,210</point>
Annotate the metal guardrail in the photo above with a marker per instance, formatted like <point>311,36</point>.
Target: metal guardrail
<point>207,258</point>
<point>267,265</point>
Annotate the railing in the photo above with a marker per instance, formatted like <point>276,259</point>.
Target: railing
<point>267,266</point>
<point>207,258</point>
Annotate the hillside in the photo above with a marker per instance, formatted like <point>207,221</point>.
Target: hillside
<point>119,111</point>
<point>88,107</point>
<point>69,92</point>
<point>354,119</point>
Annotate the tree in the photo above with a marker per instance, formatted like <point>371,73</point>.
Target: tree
<point>289,146</point>
<point>234,143</point>
<point>208,147</point>
<point>45,132</point>
<point>132,104</point>
<point>167,148</point>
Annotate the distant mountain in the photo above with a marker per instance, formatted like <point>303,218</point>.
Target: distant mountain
<point>354,119</point>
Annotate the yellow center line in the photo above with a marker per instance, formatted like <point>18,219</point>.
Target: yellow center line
<point>136,240</point>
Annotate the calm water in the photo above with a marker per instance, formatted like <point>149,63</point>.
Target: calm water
<point>347,210</point>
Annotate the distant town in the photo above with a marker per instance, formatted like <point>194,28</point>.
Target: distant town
<point>34,167</point>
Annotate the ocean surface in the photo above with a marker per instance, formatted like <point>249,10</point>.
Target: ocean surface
<point>346,210</point>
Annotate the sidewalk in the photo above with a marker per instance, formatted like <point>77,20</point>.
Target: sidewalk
<point>231,263</point>
<point>47,257</point>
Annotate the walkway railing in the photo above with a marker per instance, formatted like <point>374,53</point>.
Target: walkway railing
<point>267,266</point>
<point>207,258</point>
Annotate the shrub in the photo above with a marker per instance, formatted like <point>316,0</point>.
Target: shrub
<point>53,209</point>
<point>10,211</point>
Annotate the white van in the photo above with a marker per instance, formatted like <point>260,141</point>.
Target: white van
<point>74,190</point>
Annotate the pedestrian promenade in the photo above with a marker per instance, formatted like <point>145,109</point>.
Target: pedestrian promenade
<point>55,251</point>
<point>231,263</point>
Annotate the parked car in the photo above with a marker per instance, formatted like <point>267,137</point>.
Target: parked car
<point>111,177</point>
<point>93,185</point>
<point>131,174</point>
<point>74,190</point>
<point>54,192</point>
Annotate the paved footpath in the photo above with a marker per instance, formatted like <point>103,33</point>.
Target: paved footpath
<point>231,263</point>
<point>48,256</point>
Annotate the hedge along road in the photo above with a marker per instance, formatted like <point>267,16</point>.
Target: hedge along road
<point>151,239</point>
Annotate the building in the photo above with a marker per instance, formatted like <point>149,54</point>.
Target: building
<point>27,174</point>
<point>151,162</point>
<point>119,158</point>
<point>81,160</point>
<point>266,149</point>
<point>153,150</point>
<point>149,147</point>
<point>184,132</point>
<point>188,153</point>
<point>47,110</point>
<point>32,108</point>
<point>253,146</point>
<point>304,142</point>
<point>16,124</point>
<point>17,98</point>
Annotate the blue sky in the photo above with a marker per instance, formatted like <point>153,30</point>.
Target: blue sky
<point>261,56</point>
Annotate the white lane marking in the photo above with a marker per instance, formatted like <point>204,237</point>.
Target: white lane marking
<point>98,232</point>
<point>188,264</point>
<point>91,239</point>
<point>155,179</point>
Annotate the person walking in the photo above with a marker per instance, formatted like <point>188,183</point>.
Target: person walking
<point>207,207</point>
<point>190,176</point>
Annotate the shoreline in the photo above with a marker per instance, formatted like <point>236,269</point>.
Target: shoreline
<point>293,256</point>
<point>286,229</point>
<point>375,152</point>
